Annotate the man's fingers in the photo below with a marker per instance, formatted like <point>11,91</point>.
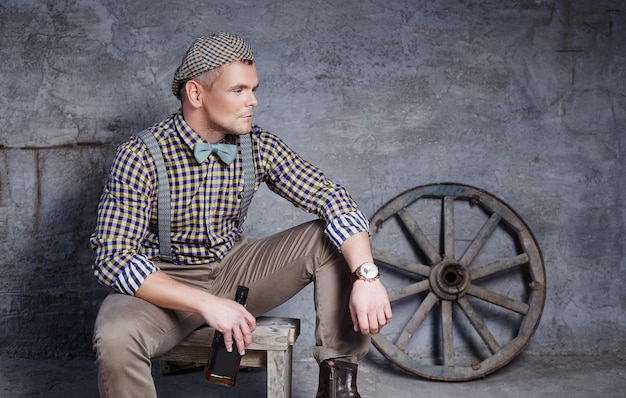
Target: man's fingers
<point>239,340</point>
<point>388,313</point>
<point>228,341</point>
<point>247,334</point>
<point>364,323</point>
<point>378,321</point>
<point>375,324</point>
<point>355,321</point>
<point>371,323</point>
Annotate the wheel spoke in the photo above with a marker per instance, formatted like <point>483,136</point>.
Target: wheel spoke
<point>416,320</point>
<point>498,266</point>
<point>410,290</point>
<point>479,325</point>
<point>480,239</point>
<point>419,237</point>
<point>448,337</point>
<point>448,226</point>
<point>400,263</point>
<point>498,299</point>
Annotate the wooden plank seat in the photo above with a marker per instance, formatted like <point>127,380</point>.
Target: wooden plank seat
<point>272,348</point>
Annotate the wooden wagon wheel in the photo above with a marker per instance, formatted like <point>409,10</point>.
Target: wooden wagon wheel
<point>454,253</point>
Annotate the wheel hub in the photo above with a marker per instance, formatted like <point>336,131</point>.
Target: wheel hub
<point>449,280</point>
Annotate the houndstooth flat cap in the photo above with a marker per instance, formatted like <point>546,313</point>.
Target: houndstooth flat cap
<point>208,53</point>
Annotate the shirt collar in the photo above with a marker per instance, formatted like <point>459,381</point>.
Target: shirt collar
<point>189,137</point>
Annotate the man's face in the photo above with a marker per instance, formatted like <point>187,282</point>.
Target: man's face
<point>229,103</point>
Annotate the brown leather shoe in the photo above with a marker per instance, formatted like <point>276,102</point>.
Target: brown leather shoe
<point>337,380</point>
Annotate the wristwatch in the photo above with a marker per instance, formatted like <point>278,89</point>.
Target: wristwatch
<point>366,272</point>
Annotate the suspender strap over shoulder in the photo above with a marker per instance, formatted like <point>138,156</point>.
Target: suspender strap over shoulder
<point>164,199</point>
<point>248,179</point>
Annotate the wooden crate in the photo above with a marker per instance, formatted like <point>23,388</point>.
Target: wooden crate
<point>271,348</point>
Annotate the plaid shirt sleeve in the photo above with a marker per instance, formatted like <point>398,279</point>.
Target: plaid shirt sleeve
<point>346,225</point>
<point>123,216</point>
<point>306,187</point>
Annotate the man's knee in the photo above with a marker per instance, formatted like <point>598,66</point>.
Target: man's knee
<point>119,342</point>
<point>118,331</point>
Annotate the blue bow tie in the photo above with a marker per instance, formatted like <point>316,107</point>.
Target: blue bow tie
<point>226,152</point>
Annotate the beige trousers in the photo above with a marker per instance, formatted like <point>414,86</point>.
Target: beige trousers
<point>129,331</point>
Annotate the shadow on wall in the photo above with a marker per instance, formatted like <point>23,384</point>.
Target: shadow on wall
<point>50,293</point>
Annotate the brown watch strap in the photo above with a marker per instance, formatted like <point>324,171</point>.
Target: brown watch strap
<point>355,275</point>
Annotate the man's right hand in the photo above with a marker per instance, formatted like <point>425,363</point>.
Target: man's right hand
<point>232,320</point>
<point>225,315</point>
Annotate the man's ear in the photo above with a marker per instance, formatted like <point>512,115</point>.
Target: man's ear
<point>193,89</point>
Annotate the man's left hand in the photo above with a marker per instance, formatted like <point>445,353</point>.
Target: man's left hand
<point>369,306</point>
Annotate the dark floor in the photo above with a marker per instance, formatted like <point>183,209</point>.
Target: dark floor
<point>527,376</point>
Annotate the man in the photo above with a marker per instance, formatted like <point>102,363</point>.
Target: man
<point>155,304</point>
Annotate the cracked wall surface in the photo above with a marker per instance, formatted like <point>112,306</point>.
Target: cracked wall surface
<point>525,99</point>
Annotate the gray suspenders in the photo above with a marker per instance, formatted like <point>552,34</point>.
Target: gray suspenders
<point>163,198</point>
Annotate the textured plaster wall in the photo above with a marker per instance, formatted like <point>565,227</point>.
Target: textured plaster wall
<point>525,99</point>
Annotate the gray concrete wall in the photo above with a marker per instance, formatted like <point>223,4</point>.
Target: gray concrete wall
<point>525,99</point>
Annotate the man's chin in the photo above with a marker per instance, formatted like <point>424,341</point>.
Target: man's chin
<point>242,130</point>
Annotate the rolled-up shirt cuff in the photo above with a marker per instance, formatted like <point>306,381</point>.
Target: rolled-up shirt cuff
<point>134,274</point>
<point>342,227</point>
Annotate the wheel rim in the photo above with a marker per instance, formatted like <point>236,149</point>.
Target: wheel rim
<point>475,261</point>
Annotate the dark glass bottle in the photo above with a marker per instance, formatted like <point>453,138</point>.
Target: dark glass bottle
<point>222,366</point>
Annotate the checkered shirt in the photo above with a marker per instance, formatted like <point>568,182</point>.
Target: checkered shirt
<point>205,201</point>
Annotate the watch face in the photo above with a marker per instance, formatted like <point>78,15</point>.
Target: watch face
<point>369,270</point>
